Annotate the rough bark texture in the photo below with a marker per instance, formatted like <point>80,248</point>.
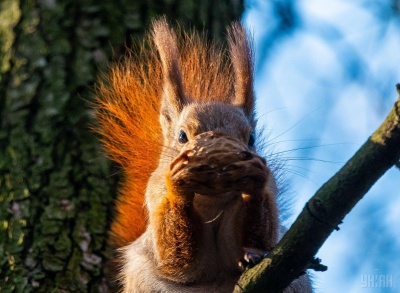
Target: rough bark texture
<point>326,209</point>
<point>56,187</point>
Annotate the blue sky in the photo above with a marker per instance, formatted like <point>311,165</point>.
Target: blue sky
<point>323,87</point>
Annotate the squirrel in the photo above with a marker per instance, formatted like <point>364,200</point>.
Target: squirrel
<point>182,225</point>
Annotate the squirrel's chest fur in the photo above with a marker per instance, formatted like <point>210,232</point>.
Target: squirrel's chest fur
<point>219,252</point>
<point>220,248</point>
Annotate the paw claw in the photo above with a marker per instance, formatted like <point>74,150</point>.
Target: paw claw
<point>230,167</point>
<point>245,155</point>
<point>200,168</point>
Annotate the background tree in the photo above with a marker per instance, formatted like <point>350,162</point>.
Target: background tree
<point>56,187</point>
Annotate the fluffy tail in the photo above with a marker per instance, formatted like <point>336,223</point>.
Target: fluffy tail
<point>128,105</point>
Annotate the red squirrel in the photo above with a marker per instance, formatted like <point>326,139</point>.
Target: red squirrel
<point>183,225</point>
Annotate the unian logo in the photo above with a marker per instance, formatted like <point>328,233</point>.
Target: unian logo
<point>377,280</point>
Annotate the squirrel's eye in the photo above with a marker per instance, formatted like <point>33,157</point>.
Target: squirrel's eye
<point>252,140</point>
<point>183,137</point>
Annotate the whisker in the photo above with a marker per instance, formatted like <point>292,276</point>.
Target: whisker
<point>297,123</point>
<point>115,173</point>
<point>271,111</point>
<point>311,159</point>
<point>300,174</point>
<point>294,140</point>
<point>309,147</point>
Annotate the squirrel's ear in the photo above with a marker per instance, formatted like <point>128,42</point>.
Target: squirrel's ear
<point>241,53</point>
<point>166,42</point>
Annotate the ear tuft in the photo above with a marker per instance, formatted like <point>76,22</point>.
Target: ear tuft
<point>241,53</point>
<point>166,42</point>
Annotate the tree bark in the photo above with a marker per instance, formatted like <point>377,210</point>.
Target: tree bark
<point>56,187</point>
<point>326,210</point>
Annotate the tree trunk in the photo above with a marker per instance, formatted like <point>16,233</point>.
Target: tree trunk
<point>56,187</point>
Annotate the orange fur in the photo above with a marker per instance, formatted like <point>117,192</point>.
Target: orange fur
<point>177,247</point>
<point>176,87</point>
<point>128,105</point>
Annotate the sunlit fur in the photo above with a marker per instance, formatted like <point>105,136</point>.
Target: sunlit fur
<point>170,241</point>
<point>128,107</point>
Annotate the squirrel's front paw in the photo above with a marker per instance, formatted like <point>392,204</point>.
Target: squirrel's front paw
<point>248,174</point>
<point>190,176</point>
<point>215,163</point>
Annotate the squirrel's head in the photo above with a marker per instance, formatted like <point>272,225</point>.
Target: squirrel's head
<point>182,117</point>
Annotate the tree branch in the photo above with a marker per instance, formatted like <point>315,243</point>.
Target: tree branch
<point>326,210</point>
